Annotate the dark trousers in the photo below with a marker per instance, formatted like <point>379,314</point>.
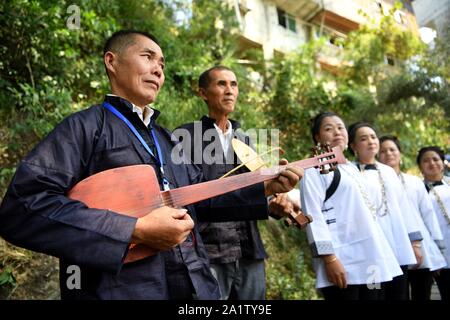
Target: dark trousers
<point>352,292</point>
<point>420,281</point>
<point>443,282</point>
<point>243,279</point>
<point>397,289</point>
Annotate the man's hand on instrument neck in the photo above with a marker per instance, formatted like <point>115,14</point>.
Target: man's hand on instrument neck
<point>163,228</point>
<point>281,206</point>
<point>285,182</point>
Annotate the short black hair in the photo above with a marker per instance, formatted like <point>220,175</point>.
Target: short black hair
<point>392,138</point>
<point>352,132</point>
<point>204,80</point>
<point>423,150</point>
<point>122,39</point>
<point>316,122</point>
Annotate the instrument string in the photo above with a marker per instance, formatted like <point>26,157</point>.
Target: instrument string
<point>176,197</point>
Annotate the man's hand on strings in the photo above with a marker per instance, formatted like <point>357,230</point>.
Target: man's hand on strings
<point>163,228</point>
<point>285,182</point>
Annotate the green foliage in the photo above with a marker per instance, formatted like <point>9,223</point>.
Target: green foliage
<point>47,71</point>
<point>297,94</point>
<point>7,282</point>
<point>289,272</point>
<point>27,274</point>
<point>368,47</point>
<point>7,277</point>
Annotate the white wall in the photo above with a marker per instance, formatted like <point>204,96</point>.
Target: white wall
<point>348,8</point>
<point>261,26</point>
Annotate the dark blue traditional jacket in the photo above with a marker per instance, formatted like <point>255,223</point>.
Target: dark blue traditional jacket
<point>36,214</point>
<point>227,223</point>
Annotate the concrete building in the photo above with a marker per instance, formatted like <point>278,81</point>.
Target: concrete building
<point>281,26</point>
<point>434,14</point>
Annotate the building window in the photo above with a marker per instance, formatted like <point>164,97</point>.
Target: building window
<point>243,8</point>
<point>400,17</point>
<point>390,61</point>
<point>286,20</point>
<point>379,6</point>
<point>333,40</point>
<point>382,9</point>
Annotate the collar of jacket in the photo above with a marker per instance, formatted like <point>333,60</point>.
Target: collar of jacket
<point>434,183</point>
<point>126,106</point>
<point>370,166</point>
<point>429,184</point>
<point>209,123</point>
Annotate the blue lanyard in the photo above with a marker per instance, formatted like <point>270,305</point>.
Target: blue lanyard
<point>159,159</point>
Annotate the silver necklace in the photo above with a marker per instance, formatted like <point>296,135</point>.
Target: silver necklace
<point>402,179</point>
<point>383,192</point>
<point>440,202</point>
<point>368,202</point>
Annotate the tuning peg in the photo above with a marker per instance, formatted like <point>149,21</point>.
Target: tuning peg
<point>300,220</point>
<point>315,150</point>
<point>320,147</point>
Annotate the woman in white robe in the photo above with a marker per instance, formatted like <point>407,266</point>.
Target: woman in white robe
<point>431,164</point>
<point>420,277</point>
<point>351,255</point>
<point>394,212</point>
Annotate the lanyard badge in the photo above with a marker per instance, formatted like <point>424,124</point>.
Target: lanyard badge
<point>159,159</point>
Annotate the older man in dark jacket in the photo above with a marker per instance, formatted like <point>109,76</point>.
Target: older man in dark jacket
<point>235,248</point>
<point>37,214</point>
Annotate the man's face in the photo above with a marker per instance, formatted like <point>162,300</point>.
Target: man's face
<point>222,92</point>
<point>138,71</point>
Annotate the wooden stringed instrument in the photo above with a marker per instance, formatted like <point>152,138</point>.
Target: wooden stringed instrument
<point>134,190</point>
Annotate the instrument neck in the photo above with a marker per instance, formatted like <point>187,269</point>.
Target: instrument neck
<point>184,196</point>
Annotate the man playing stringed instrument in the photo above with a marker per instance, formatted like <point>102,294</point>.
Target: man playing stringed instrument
<point>36,212</point>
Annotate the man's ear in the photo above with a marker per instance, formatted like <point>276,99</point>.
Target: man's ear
<point>110,60</point>
<point>202,93</point>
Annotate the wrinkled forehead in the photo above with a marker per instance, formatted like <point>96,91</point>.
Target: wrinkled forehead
<point>143,44</point>
<point>218,75</point>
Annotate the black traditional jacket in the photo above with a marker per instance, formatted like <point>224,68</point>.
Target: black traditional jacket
<point>226,241</point>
